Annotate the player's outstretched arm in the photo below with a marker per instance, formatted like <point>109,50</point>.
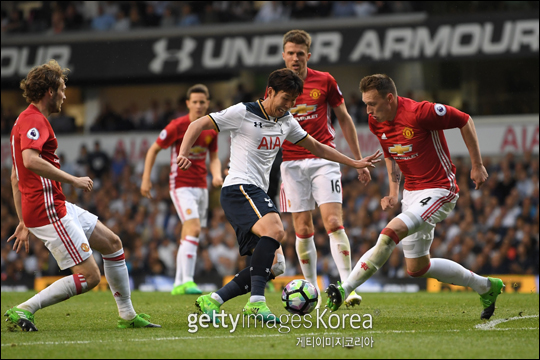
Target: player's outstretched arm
<point>394,178</point>
<point>146,183</point>
<point>349,132</point>
<point>192,133</point>
<point>478,172</point>
<point>328,153</point>
<point>215,169</point>
<point>21,234</point>
<point>33,162</point>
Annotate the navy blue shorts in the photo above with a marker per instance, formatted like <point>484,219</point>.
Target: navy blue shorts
<point>244,205</point>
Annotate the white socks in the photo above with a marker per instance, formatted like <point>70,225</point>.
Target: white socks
<point>58,291</point>
<point>188,258</point>
<point>371,261</point>
<point>117,276</point>
<point>450,272</point>
<point>307,257</point>
<point>341,252</point>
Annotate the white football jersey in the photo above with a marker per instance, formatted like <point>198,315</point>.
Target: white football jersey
<point>255,140</point>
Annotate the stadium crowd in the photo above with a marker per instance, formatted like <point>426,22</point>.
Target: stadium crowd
<point>57,17</point>
<point>491,231</point>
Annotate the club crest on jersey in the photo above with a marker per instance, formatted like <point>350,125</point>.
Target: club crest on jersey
<point>303,109</point>
<point>33,134</point>
<point>208,140</point>
<point>400,149</point>
<point>440,109</point>
<point>85,248</point>
<point>315,94</point>
<point>188,211</point>
<point>408,133</point>
<point>163,134</point>
<point>268,143</point>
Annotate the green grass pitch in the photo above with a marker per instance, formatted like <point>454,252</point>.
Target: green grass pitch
<point>419,325</point>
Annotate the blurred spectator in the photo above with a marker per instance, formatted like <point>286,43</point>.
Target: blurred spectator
<point>271,11</point>
<point>135,19</point>
<point>62,123</point>
<point>343,9</point>
<point>168,19</point>
<point>104,21</point>
<point>122,22</point>
<point>15,24</point>
<point>188,18</point>
<point>73,20</point>
<point>98,161</point>
<point>364,8</point>
<point>151,19</point>
<point>107,120</point>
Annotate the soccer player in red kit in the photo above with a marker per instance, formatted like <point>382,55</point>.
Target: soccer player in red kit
<point>188,189</point>
<point>69,232</point>
<point>411,135</point>
<point>308,179</point>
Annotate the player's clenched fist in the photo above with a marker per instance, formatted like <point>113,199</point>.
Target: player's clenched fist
<point>83,183</point>
<point>183,162</point>
<point>388,202</point>
<point>479,176</point>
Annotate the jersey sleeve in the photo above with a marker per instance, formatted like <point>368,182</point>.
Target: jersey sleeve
<point>296,132</point>
<point>432,116</point>
<point>335,97</point>
<point>167,136</point>
<point>230,118</point>
<point>34,133</point>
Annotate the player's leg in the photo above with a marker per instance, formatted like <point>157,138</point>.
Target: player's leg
<point>297,198</point>
<point>109,245</point>
<point>68,244</point>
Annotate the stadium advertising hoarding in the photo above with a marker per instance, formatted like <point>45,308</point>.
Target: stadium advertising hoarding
<point>495,139</point>
<point>161,57</point>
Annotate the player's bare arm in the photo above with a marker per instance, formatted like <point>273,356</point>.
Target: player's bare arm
<point>193,131</point>
<point>478,172</point>
<point>349,132</point>
<point>33,162</point>
<point>146,183</point>
<point>21,234</point>
<point>394,177</point>
<point>215,169</point>
<point>328,153</point>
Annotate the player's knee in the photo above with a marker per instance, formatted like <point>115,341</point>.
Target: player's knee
<point>279,235</point>
<point>333,223</point>
<point>92,279</point>
<point>115,243</point>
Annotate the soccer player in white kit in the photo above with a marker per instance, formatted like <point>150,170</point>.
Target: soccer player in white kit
<point>411,135</point>
<point>309,180</point>
<point>258,130</point>
<point>188,189</point>
<point>69,232</point>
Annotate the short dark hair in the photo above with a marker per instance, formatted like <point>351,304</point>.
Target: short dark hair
<point>198,88</point>
<point>298,37</point>
<point>286,80</point>
<point>380,82</point>
<point>41,78</point>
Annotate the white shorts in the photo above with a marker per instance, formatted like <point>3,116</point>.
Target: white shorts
<point>191,203</point>
<point>421,211</point>
<point>309,181</point>
<point>67,239</point>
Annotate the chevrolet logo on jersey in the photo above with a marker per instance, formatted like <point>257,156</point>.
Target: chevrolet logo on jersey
<point>303,109</point>
<point>399,149</point>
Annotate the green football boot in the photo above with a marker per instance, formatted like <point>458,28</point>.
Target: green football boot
<point>139,321</point>
<point>336,296</point>
<point>24,319</point>
<point>191,288</point>
<point>488,299</point>
<point>179,290</point>
<point>353,299</point>
<point>261,311</point>
<point>208,306</point>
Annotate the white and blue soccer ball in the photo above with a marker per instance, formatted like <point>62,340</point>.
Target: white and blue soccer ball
<point>299,297</point>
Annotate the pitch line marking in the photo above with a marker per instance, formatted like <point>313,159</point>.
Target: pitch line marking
<point>491,324</point>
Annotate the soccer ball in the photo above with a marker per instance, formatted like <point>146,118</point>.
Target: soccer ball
<point>299,297</point>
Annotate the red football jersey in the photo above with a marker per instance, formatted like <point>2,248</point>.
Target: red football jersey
<point>43,201</point>
<point>173,134</point>
<point>312,110</point>
<point>415,140</point>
